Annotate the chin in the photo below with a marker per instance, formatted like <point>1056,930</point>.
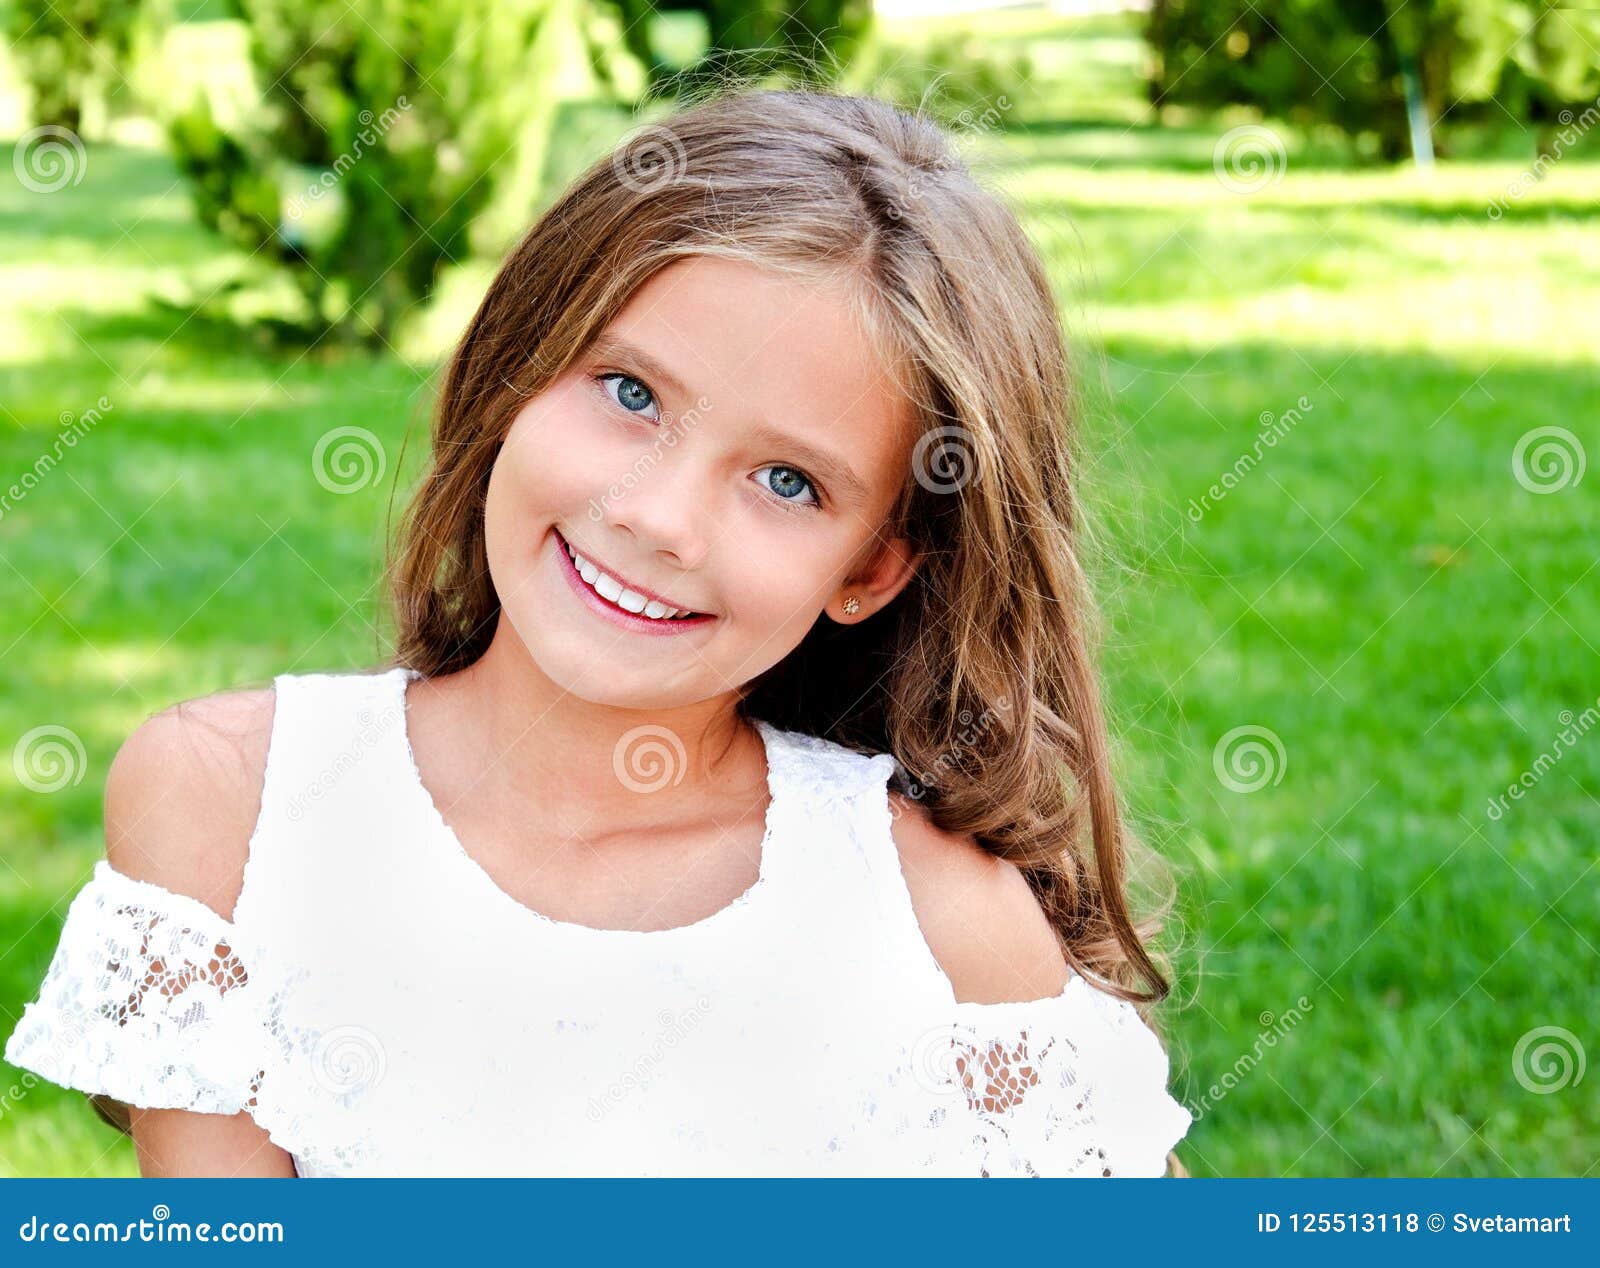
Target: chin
<point>596,667</point>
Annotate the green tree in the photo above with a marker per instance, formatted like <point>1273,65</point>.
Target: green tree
<point>1552,76</point>
<point>1350,64</point>
<point>386,131</point>
<point>792,39</point>
<point>72,52</point>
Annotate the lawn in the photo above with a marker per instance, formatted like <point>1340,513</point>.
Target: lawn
<point>1401,613</point>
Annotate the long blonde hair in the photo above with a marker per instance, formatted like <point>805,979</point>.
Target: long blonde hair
<point>980,676</point>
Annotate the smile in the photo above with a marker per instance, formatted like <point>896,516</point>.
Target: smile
<point>625,602</point>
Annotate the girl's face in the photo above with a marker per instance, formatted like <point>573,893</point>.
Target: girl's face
<point>730,446</point>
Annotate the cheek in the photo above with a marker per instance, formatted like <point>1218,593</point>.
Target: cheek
<point>550,462</point>
<point>784,579</point>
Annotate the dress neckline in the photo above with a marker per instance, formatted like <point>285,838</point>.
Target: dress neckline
<point>772,740</point>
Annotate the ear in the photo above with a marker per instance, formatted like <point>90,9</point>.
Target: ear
<point>873,585</point>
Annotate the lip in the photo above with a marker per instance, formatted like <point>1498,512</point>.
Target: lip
<point>610,611</point>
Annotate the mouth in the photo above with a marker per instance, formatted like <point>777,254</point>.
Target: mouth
<point>621,602</point>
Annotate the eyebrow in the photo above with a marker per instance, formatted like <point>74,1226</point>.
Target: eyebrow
<point>833,470</point>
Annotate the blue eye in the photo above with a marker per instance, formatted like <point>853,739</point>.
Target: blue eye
<point>789,482</point>
<point>629,393</point>
<point>634,396</point>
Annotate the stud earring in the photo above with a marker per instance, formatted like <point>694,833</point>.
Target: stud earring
<point>852,605</point>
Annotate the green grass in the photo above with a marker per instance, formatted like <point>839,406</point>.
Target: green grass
<point>1380,593</point>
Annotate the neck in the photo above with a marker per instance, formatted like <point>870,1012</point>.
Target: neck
<point>607,768</point>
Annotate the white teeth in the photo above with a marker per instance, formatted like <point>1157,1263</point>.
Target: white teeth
<point>610,588</point>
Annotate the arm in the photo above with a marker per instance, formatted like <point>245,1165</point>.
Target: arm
<point>174,1142</point>
<point>181,802</point>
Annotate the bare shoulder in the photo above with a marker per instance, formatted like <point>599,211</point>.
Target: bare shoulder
<point>184,791</point>
<point>977,912</point>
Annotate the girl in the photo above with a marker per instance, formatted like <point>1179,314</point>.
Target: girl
<point>738,798</point>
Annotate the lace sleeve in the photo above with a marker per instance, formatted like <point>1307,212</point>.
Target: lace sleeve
<point>1074,1085</point>
<point>148,1000</point>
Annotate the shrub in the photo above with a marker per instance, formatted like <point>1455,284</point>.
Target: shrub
<point>1347,64</point>
<point>386,131</point>
<point>71,52</point>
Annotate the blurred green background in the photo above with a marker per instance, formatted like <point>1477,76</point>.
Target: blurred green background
<point>1332,273</point>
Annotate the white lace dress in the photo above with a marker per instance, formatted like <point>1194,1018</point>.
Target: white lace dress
<point>382,1008</point>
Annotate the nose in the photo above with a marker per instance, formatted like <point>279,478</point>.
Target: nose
<point>668,510</point>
